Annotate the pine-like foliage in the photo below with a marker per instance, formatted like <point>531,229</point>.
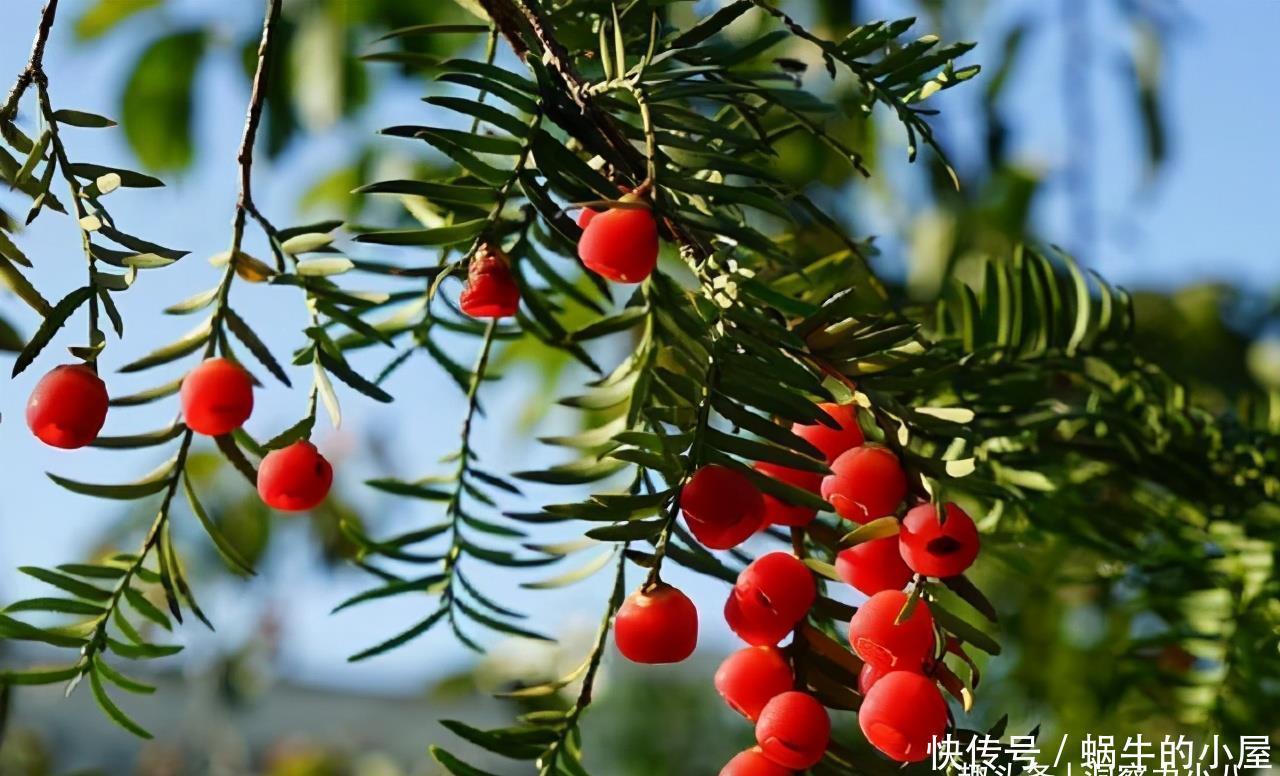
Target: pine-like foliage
<point>1018,394</point>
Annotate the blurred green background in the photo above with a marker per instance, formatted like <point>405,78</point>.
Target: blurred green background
<point>1132,133</point>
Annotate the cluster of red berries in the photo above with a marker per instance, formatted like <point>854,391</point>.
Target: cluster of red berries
<point>619,244</point>
<point>902,708</point>
<point>69,406</point>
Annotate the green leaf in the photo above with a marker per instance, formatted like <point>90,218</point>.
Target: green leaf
<point>306,242</point>
<point>16,629</point>
<point>419,30</point>
<point>443,235</point>
<point>112,710</point>
<point>128,178</point>
<point>54,320</point>
<point>35,676</point>
<point>346,374</point>
<point>58,605</point>
<point>126,492</point>
<point>69,584</point>
<point>148,396</point>
<point>963,629</point>
<point>256,346</point>
<point>323,268</point>
<point>455,766</point>
<point>147,609</point>
<point>77,118</point>
<point>120,680</point>
<point>157,100</point>
<point>401,638</point>
<point>880,528</point>
<point>225,548</point>
<point>574,575</point>
<point>409,489</point>
<point>135,441</point>
<point>185,345</point>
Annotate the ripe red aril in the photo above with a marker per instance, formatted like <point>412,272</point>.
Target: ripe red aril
<point>721,506</point>
<point>865,483</point>
<point>751,677</point>
<point>873,566</point>
<point>771,596</point>
<point>793,730</point>
<point>217,397</point>
<point>901,715</point>
<point>294,478</point>
<point>752,762</point>
<point>490,291</point>
<point>937,549</point>
<point>832,441</point>
<point>779,512</point>
<point>620,244</point>
<point>656,625</point>
<point>585,216</point>
<point>878,640</point>
<point>868,676</point>
<point>68,406</point>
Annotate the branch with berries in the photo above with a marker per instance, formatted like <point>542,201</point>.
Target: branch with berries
<point>749,382</point>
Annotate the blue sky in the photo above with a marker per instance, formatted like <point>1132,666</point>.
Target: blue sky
<point>1206,216</point>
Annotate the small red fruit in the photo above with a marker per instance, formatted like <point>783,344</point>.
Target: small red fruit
<point>770,597</point>
<point>585,216</point>
<point>876,638</point>
<point>873,566</point>
<point>751,677</point>
<point>902,714</point>
<point>794,730</point>
<point>490,291</point>
<point>721,506</point>
<point>753,763</point>
<point>620,244</point>
<point>938,549</point>
<point>217,397</point>
<point>865,483</point>
<point>294,478</point>
<point>779,512</point>
<point>68,407</point>
<point>658,625</point>
<point>832,441</point>
<point>868,676</point>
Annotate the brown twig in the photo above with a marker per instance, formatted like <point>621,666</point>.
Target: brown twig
<point>34,71</point>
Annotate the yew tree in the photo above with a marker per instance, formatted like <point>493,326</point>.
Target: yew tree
<point>784,419</point>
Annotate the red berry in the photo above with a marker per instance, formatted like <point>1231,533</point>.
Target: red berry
<point>873,566</point>
<point>938,549</point>
<point>901,715</point>
<point>832,441</point>
<point>779,512</point>
<point>753,763</point>
<point>294,478</point>
<point>865,483</point>
<point>771,596</point>
<point>868,676</point>
<point>68,407</point>
<point>793,730</point>
<point>620,244</point>
<point>585,216</point>
<point>217,397</point>
<point>721,506</point>
<point>491,291</point>
<point>886,645</point>
<point>751,677</point>
<point>658,625</point>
